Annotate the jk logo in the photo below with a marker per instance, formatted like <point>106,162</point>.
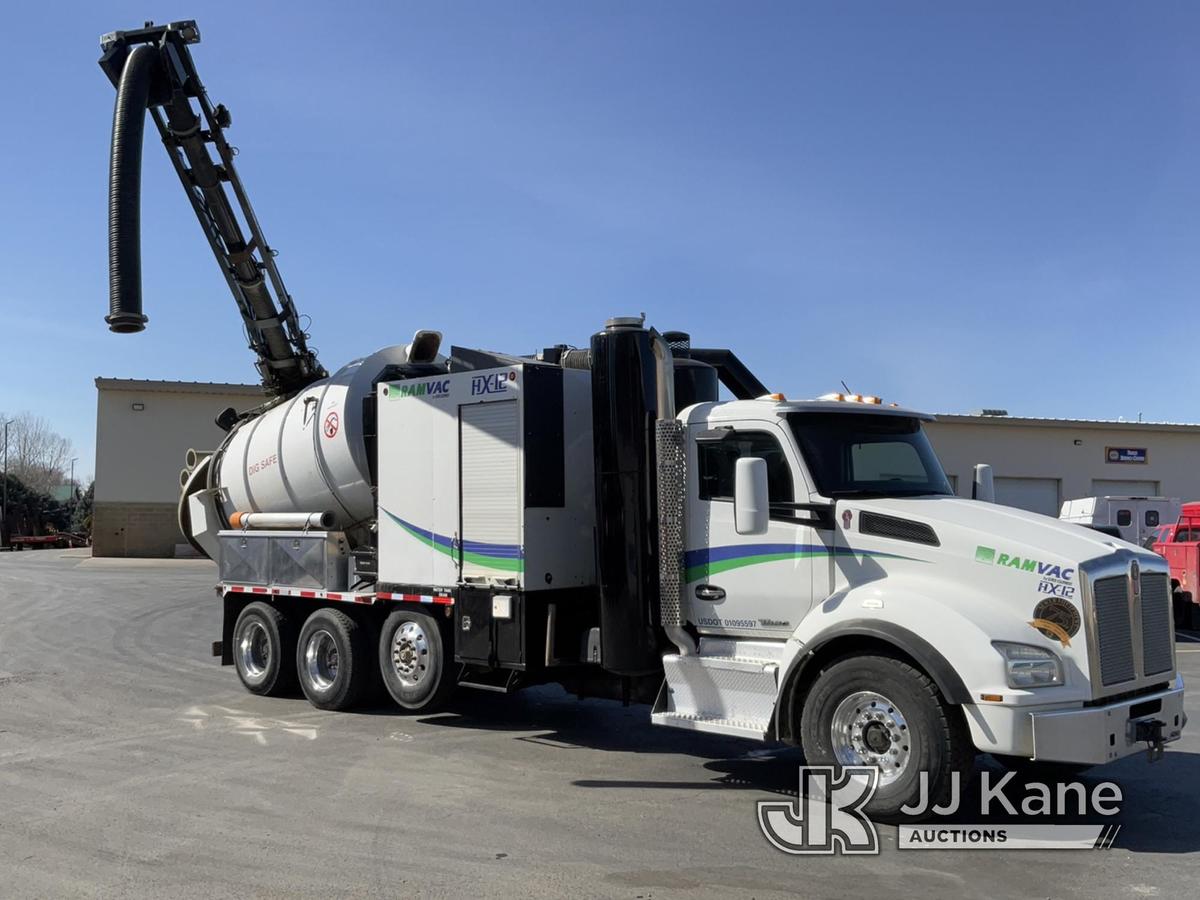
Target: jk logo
<point>827,816</point>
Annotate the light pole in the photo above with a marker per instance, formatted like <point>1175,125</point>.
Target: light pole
<point>4,509</point>
<point>73,458</point>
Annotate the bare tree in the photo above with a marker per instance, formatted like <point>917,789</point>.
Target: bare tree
<point>37,454</point>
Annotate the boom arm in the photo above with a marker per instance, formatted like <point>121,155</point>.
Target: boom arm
<point>153,69</point>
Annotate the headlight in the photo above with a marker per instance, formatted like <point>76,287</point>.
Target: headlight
<point>1029,666</point>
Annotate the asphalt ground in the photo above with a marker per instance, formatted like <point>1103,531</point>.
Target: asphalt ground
<point>133,764</point>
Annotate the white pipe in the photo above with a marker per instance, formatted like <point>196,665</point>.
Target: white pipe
<point>321,520</point>
<point>192,457</point>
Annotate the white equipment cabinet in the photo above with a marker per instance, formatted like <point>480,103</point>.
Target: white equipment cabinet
<point>485,478</point>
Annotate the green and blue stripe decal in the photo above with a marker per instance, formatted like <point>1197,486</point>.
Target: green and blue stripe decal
<point>506,557</point>
<point>708,561</point>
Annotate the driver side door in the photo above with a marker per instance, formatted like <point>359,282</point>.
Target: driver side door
<point>746,585</point>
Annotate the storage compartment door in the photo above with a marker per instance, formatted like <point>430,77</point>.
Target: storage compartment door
<point>491,499</point>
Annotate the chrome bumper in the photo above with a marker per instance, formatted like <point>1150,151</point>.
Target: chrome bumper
<point>1101,734</point>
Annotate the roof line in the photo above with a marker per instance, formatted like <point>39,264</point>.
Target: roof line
<point>1047,422</point>
<point>178,387</point>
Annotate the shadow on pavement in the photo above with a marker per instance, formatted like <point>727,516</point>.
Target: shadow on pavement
<point>1159,810</point>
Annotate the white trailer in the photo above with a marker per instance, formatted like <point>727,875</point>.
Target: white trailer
<point>1137,519</point>
<point>794,571</point>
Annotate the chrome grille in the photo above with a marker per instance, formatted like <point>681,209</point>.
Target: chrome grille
<point>1156,623</point>
<point>1114,630</point>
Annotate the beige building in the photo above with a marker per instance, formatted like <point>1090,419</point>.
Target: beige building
<point>143,430</point>
<point>1039,463</point>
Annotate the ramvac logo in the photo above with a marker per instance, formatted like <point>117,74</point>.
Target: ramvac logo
<point>435,390</point>
<point>1056,579</point>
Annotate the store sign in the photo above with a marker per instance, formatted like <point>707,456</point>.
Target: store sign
<point>1125,454</point>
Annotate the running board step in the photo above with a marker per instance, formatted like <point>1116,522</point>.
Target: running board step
<point>721,695</point>
<point>505,681</point>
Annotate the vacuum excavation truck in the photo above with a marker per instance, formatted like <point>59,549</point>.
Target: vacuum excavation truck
<point>792,571</point>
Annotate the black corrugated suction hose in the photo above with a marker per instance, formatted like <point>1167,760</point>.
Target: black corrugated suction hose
<point>125,193</point>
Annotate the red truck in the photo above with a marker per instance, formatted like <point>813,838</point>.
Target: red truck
<point>1179,544</point>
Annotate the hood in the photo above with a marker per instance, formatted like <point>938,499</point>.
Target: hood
<point>1002,528</point>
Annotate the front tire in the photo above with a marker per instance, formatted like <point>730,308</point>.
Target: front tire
<point>414,661</point>
<point>881,711</point>
<point>332,660</point>
<point>262,650</point>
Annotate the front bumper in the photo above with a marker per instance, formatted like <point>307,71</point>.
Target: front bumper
<point>1074,732</point>
<point>1101,734</point>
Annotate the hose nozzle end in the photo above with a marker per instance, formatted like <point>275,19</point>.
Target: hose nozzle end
<point>126,322</point>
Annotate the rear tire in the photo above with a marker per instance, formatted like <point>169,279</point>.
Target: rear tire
<point>881,711</point>
<point>332,660</point>
<point>414,661</point>
<point>262,650</point>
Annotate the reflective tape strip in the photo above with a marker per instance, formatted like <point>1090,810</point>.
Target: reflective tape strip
<point>343,596</point>
<point>418,598</point>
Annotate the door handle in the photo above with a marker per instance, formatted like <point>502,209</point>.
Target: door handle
<point>710,592</point>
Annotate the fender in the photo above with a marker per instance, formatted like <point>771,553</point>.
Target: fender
<point>924,653</point>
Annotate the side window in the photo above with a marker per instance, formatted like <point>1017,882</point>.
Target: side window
<point>717,459</point>
<point>1124,517</point>
<point>1152,517</point>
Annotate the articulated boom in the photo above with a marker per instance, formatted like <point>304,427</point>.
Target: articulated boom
<point>153,69</point>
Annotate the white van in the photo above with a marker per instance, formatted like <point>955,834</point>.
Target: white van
<point>1135,517</point>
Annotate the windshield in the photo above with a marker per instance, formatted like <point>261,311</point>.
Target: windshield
<point>864,455</point>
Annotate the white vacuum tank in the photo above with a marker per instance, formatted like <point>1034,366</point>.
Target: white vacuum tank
<point>307,454</point>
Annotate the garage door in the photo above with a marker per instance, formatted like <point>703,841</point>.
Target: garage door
<point>1114,487</point>
<point>1039,495</point>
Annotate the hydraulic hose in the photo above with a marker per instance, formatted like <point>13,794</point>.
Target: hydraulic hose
<point>125,193</point>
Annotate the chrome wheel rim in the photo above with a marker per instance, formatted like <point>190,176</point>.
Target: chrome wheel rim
<point>868,729</point>
<point>254,650</point>
<point>410,654</point>
<point>321,660</point>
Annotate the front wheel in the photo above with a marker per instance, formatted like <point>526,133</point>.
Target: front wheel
<point>883,712</point>
<point>413,659</point>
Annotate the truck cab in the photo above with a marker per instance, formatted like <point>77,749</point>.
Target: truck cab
<point>835,583</point>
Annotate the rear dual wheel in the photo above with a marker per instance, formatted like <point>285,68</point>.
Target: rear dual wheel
<point>332,657</point>
<point>332,660</point>
<point>262,639</point>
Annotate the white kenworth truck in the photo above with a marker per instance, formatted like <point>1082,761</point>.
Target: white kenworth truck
<point>794,571</point>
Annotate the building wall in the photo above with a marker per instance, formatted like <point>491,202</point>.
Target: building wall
<point>140,452</point>
<point>1027,454</point>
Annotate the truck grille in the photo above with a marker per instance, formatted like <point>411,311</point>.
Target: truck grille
<point>1115,631</point>
<point>1156,623</point>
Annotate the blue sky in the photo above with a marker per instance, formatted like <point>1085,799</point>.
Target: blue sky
<point>953,205</point>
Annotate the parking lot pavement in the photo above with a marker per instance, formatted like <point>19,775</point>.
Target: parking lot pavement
<point>131,763</point>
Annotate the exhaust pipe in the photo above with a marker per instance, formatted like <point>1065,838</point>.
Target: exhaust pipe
<point>125,192</point>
